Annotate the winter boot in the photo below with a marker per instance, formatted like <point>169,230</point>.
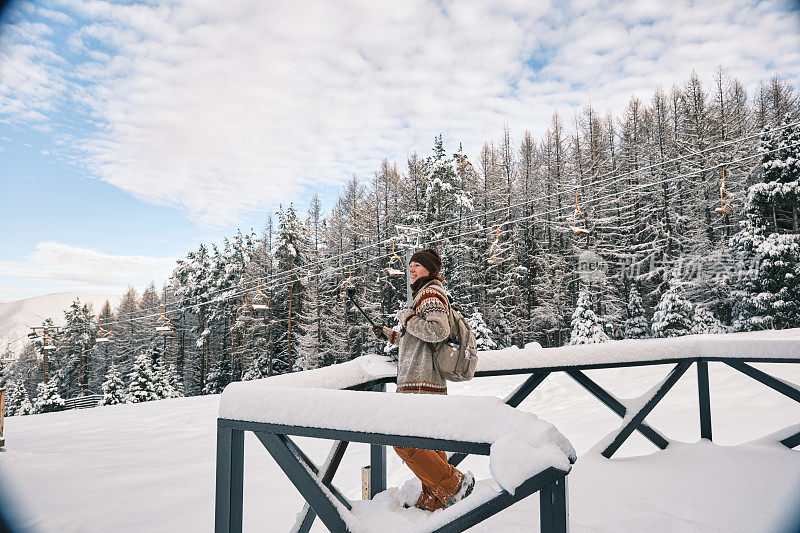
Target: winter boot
<point>467,484</point>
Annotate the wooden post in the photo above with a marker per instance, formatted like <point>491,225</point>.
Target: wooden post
<point>365,476</point>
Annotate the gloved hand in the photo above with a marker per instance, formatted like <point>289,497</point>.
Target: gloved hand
<point>403,314</point>
<point>378,331</point>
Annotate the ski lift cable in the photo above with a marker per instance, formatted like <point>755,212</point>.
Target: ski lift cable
<point>244,292</point>
<point>433,227</point>
<point>612,195</point>
<point>220,299</point>
<point>464,233</point>
<point>612,178</point>
<point>595,202</point>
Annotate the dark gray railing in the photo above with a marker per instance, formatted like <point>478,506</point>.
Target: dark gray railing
<point>327,502</point>
<point>315,482</point>
<point>537,376</point>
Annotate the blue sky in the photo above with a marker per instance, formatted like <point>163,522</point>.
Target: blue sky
<point>130,133</point>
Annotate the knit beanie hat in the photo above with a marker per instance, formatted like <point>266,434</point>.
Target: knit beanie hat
<point>428,258</point>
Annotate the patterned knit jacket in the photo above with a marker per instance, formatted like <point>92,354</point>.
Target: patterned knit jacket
<point>429,323</point>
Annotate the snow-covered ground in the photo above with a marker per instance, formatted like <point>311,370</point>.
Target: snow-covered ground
<point>150,467</point>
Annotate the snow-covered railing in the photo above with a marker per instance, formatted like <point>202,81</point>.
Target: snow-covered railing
<point>526,454</point>
<point>735,350</point>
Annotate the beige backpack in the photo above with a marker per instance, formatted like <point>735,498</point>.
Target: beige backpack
<point>457,357</point>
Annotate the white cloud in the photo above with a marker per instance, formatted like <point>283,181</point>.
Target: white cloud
<point>78,268</point>
<point>220,108</point>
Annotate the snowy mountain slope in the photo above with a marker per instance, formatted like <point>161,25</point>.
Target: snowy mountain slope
<point>17,317</point>
<point>150,467</point>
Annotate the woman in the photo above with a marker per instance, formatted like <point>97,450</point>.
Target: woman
<point>423,324</point>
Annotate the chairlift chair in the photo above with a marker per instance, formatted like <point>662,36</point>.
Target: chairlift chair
<point>395,267</point>
<point>725,207</point>
<point>164,323</point>
<point>347,288</point>
<point>260,301</point>
<point>243,313</point>
<point>495,252</point>
<point>49,343</point>
<point>577,216</point>
<point>104,335</point>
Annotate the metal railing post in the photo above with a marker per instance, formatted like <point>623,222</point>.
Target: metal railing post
<point>377,460</point>
<point>230,480</point>
<point>554,507</point>
<point>704,398</point>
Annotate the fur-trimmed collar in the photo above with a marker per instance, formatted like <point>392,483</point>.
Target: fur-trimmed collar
<point>421,282</point>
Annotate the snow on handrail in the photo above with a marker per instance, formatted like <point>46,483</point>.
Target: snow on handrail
<point>514,435</point>
<point>745,346</point>
<point>361,370</point>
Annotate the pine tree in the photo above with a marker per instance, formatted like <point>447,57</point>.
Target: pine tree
<point>291,245</point>
<point>193,281</point>
<point>102,352</point>
<point>113,388</point>
<point>768,244</point>
<point>47,398</point>
<point>125,346</point>
<point>218,377</point>
<point>174,382</point>
<point>75,357</point>
<point>673,316</point>
<point>586,327</point>
<point>704,321</point>
<point>483,336</point>
<point>164,378</point>
<point>636,323</point>
<point>26,408</point>
<point>16,397</point>
<point>142,387</point>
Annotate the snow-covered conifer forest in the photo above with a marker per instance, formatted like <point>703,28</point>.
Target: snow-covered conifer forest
<point>670,252</point>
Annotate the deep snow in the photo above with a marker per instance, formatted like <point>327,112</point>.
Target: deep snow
<point>150,467</point>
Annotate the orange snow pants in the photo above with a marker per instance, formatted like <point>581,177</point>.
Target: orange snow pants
<point>440,479</point>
